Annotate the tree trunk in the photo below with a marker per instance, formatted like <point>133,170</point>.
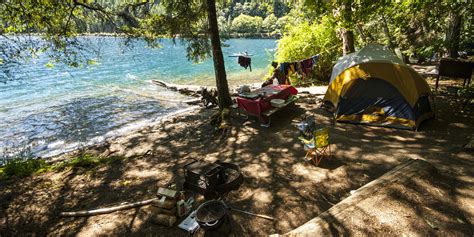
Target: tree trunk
<point>347,34</point>
<point>453,33</point>
<point>219,67</point>
<point>386,31</point>
<point>362,34</point>
<point>347,41</point>
<point>275,7</point>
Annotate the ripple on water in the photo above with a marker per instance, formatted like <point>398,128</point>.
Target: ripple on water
<point>55,109</point>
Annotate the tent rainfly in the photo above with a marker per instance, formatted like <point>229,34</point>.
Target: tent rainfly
<point>373,86</point>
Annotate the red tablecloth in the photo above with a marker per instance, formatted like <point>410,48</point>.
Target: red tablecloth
<point>258,106</point>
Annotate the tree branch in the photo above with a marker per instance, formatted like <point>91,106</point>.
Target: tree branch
<point>90,7</point>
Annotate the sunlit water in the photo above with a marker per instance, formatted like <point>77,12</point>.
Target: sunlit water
<point>48,111</point>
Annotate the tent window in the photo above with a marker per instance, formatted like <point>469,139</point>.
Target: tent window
<point>371,88</point>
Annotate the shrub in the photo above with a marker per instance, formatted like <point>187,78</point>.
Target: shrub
<point>247,24</point>
<point>281,24</point>
<point>23,168</point>
<point>269,24</point>
<point>305,40</point>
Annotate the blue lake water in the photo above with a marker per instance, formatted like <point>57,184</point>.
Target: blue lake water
<point>46,111</point>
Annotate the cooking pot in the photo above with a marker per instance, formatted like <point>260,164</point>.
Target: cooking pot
<point>211,214</point>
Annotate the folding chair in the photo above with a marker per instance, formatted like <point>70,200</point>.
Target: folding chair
<point>317,147</point>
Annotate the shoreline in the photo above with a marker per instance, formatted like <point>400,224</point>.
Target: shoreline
<point>124,131</point>
<point>129,129</point>
<point>58,151</point>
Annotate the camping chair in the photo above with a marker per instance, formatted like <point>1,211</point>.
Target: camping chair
<point>317,147</point>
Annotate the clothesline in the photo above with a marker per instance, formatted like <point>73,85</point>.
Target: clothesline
<point>312,57</point>
<point>303,67</point>
<point>241,55</point>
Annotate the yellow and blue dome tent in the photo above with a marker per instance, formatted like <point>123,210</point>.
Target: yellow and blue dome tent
<point>373,86</point>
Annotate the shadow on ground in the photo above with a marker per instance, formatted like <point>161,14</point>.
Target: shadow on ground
<point>277,180</point>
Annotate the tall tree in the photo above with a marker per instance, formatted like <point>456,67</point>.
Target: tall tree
<point>386,32</point>
<point>218,59</point>
<point>453,33</point>
<point>347,33</point>
<point>344,13</point>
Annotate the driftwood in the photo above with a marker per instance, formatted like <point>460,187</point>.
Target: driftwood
<point>207,95</point>
<point>253,214</point>
<point>106,210</point>
<point>185,90</point>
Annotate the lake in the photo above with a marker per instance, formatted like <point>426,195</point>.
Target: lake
<point>45,111</point>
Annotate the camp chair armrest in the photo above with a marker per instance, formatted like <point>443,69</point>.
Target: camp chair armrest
<point>306,141</point>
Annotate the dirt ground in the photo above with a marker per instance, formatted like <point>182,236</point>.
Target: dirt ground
<point>277,181</point>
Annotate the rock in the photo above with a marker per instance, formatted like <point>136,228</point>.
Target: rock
<point>163,219</point>
<point>159,210</point>
<point>167,204</point>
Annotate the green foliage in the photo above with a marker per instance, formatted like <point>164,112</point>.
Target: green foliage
<point>269,24</point>
<point>297,15</point>
<point>254,8</point>
<point>280,7</point>
<point>281,24</point>
<point>22,168</point>
<point>247,24</point>
<point>86,161</point>
<point>467,92</point>
<point>305,40</point>
<point>224,25</point>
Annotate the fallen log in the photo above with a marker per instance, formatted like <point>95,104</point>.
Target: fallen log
<point>192,101</point>
<point>106,210</point>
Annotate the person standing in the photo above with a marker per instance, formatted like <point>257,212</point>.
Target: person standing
<point>277,74</point>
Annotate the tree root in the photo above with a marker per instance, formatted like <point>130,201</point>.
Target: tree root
<point>209,98</point>
<point>221,119</point>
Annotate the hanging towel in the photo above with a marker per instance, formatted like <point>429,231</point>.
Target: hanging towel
<point>245,62</point>
<point>299,69</point>
<point>284,68</point>
<point>291,69</point>
<point>307,65</point>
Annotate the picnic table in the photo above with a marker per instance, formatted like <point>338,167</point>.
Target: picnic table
<point>455,68</point>
<point>260,106</point>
